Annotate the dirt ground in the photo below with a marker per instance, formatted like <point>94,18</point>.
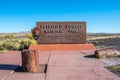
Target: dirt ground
<point>106,43</point>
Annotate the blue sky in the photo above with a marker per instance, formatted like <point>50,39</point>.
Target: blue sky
<point>21,15</point>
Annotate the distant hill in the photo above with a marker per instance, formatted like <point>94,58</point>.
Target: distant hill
<point>102,34</point>
<point>19,34</point>
<point>23,33</point>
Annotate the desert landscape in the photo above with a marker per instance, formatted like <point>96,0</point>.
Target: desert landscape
<point>13,41</point>
<point>104,40</point>
<point>59,40</point>
<point>100,40</point>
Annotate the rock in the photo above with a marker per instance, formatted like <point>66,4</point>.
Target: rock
<point>104,53</point>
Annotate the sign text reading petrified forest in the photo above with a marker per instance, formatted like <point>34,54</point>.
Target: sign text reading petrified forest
<point>61,32</point>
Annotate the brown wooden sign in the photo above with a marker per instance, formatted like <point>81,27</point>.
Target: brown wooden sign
<point>60,32</point>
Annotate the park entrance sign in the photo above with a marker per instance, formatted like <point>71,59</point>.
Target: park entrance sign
<point>60,32</point>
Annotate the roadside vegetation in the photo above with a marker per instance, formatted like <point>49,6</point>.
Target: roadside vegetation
<point>10,42</point>
<point>115,69</point>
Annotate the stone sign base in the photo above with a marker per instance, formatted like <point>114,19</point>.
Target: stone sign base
<point>62,47</point>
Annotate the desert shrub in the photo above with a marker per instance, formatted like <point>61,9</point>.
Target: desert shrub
<point>32,41</point>
<point>1,47</point>
<point>16,44</point>
<point>8,45</point>
<point>9,36</point>
<point>115,69</point>
<point>5,45</point>
<point>26,43</point>
<point>11,45</point>
<point>30,36</point>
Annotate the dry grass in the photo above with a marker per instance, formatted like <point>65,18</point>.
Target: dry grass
<point>107,41</point>
<point>98,36</point>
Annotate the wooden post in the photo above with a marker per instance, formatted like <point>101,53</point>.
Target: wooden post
<point>30,60</point>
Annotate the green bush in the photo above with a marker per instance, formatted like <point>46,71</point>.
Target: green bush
<point>9,45</point>
<point>1,47</point>
<point>16,44</point>
<point>9,36</point>
<point>30,36</point>
<point>26,43</point>
<point>115,69</point>
<point>32,41</point>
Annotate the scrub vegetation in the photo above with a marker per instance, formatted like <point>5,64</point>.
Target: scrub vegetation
<point>15,42</point>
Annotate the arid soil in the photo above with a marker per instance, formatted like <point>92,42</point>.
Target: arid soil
<point>107,43</point>
<point>113,43</point>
